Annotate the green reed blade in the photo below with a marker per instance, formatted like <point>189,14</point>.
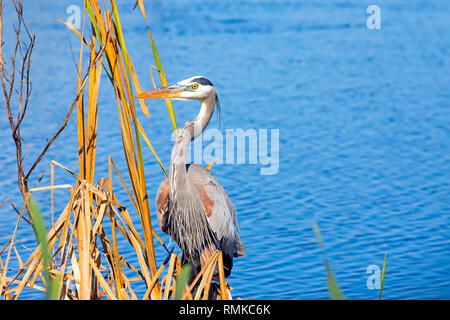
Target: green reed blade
<point>382,276</point>
<point>41,236</point>
<point>94,21</point>
<point>160,68</point>
<point>333,288</point>
<point>182,280</point>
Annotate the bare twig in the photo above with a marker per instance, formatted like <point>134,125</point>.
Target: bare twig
<point>66,120</point>
<point>8,84</point>
<point>23,81</point>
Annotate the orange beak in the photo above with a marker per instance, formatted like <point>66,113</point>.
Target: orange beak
<point>161,93</point>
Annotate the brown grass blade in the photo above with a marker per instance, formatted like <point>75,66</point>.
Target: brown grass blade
<point>105,286</point>
<point>71,27</point>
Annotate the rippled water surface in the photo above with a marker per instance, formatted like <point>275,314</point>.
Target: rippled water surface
<point>364,133</point>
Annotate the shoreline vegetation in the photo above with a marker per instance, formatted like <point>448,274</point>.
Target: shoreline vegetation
<point>77,257</point>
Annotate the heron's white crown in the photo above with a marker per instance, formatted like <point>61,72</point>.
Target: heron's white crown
<point>197,87</point>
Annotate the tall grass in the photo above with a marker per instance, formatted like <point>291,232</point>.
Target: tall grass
<point>81,247</point>
<point>41,236</point>
<point>383,274</point>
<point>333,287</point>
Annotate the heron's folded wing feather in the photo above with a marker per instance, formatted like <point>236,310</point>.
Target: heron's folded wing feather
<point>162,204</point>
<point>218,209</point>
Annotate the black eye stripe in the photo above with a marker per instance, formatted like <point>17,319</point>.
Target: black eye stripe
<point>202,81</point>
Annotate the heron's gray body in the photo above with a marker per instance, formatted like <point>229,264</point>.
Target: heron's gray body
<point>193,208</point>
<point>187,222</point>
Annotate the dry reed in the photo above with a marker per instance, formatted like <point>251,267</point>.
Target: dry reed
<point>85,261</point>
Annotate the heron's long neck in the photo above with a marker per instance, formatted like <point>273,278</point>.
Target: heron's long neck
<point>190,131</point>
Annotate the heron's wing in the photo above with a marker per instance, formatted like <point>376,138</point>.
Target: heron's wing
<point>218,208</point>
<point>162,204</point>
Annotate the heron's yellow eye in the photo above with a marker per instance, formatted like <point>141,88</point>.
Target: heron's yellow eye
<point>194,86</point>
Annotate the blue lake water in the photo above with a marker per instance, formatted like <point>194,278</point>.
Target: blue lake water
<point>364,139</point>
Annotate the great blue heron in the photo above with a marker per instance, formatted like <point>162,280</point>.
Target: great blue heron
<point>192,207</point>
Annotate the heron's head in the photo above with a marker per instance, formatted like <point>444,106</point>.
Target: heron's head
<point>194,88</point>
